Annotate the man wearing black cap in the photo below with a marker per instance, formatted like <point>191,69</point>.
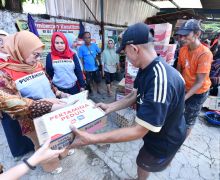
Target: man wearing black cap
<point>194,64</point>
<point>159,95</point>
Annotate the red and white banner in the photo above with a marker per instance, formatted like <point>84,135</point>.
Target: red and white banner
<point>47,28</point>
<point>162,33</point>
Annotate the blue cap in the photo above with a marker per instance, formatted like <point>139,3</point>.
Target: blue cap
<point>136,34</point>
<point>189,26</point>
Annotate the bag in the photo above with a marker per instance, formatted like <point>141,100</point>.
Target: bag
<point>96,59</point>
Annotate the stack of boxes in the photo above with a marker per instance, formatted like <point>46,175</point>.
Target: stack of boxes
<point>162,34</point>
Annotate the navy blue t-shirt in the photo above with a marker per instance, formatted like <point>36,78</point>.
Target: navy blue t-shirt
<point>160,106</point>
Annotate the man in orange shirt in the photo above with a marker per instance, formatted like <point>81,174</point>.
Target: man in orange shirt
<point>194,64</point>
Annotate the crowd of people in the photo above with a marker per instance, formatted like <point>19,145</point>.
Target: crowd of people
<point>168,100</point>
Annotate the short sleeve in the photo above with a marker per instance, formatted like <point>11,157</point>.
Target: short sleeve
<point>151,115</point>
<point>80,52</point>
<point>97,49</point>
<point>153,106</point>
<point>204,63</point>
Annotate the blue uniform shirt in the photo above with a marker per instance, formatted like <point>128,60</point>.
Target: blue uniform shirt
<point>88,54</point>
<point>160,106</point>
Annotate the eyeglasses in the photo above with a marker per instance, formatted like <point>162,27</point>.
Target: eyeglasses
<point>37,55</point>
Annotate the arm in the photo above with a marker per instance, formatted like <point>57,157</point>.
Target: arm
<point>17,106</point>
<point>198,84</point>
<point>12,103</point>
<point>103,63</point>
<point>180,61</point>
<point>97,49</point>
<point>98,55</point>
<point>179,68</point>
<point>78,72</point>
<point>127,101</point>
<point>118,63</point>
<point>41,155</point>
<point>118,67</point>
<point>58,94</point>
<point>80,54</point>
<point>49,66</point>
<point>120,135</point>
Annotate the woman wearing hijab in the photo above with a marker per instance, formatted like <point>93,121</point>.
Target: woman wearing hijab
<point>63,67</point>
<point>72,42</point>
<point>110,64</point>
<point>20,145</point>
<point>23,74</point>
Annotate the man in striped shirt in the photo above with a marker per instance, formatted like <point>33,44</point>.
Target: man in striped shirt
<point>159,95</point>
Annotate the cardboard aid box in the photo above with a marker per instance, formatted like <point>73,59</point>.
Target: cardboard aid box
<point>131,73</point>
<point>167,52</point>
<point>56,125</point>
<point>162,33</point>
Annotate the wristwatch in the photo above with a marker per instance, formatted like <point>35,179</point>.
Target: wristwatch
<point>27,163</point>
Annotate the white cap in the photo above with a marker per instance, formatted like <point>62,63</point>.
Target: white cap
<point>3,33</point>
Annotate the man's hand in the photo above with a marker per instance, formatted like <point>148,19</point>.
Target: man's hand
<point>105,107</point>
<point>82,138</point>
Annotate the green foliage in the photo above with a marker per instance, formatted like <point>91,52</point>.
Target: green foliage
<point>211,26</point>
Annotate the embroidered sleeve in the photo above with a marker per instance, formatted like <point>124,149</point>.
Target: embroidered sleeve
<point>39,108</point>
<point>12,103</point>
<point>17,106</point>
<point>7,84</point>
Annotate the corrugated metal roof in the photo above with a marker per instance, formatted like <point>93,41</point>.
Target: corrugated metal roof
<point>119,12</point>
<point>180,3</point>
